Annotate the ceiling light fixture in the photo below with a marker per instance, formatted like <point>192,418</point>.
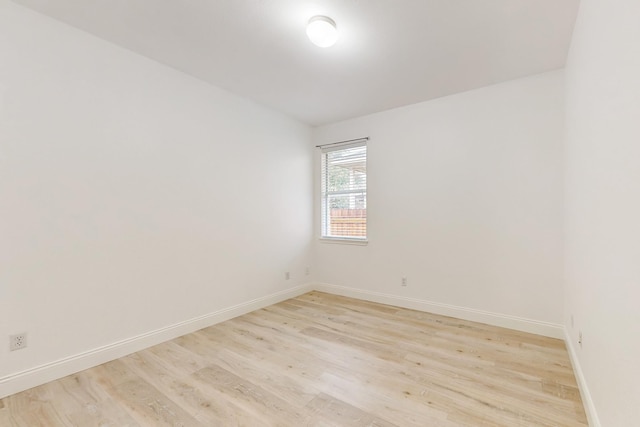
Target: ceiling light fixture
<point>322,31</point>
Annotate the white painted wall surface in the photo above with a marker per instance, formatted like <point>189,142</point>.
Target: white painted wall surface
<point>132,196</point>
<point>603,207</point>
<point>465,200</point>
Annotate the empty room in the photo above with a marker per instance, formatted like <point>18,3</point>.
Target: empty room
<point>320,213</point>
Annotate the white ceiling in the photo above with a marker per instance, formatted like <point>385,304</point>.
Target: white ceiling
<point>391,52</point>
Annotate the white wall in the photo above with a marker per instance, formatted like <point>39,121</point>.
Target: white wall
<point>603,207</point>
<point>465,200</point>
<point>132,196</point>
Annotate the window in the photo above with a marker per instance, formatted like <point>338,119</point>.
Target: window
<point>344,191</point>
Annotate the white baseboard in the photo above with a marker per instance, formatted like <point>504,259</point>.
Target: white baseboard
<point>512,322</point>
<point>590,409</point>
<point>24,380</point>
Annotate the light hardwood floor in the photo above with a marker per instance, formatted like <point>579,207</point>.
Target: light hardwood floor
<point>321,360</point>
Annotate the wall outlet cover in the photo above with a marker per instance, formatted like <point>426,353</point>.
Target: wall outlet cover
<point>18,341</point>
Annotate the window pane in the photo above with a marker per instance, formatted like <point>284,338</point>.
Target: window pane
<point>347,169</point>
<point>347,216</point>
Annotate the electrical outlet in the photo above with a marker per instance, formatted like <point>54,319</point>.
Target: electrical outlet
<point>404,281</point>
<point>18,342</point>
<point>580,338</point>
<point>287,276</point>
<point>307,270</point>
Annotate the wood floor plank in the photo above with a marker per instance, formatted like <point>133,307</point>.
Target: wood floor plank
<point>148,406</point>
<point>321,360</point>
<point>250,396</point>
<point>342,413</point>
<point>208,407</point>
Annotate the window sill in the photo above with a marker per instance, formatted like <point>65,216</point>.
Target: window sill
<point>339,241</point>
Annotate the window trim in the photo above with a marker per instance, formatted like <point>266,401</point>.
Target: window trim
<point>344,241</point>
<point>324,196</point>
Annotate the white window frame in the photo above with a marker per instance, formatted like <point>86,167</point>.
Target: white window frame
<point>325,195</point>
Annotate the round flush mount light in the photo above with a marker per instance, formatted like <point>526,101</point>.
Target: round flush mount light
<point>322,31</point>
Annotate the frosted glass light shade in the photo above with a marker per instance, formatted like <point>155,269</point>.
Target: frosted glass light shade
<point>322,31</point>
